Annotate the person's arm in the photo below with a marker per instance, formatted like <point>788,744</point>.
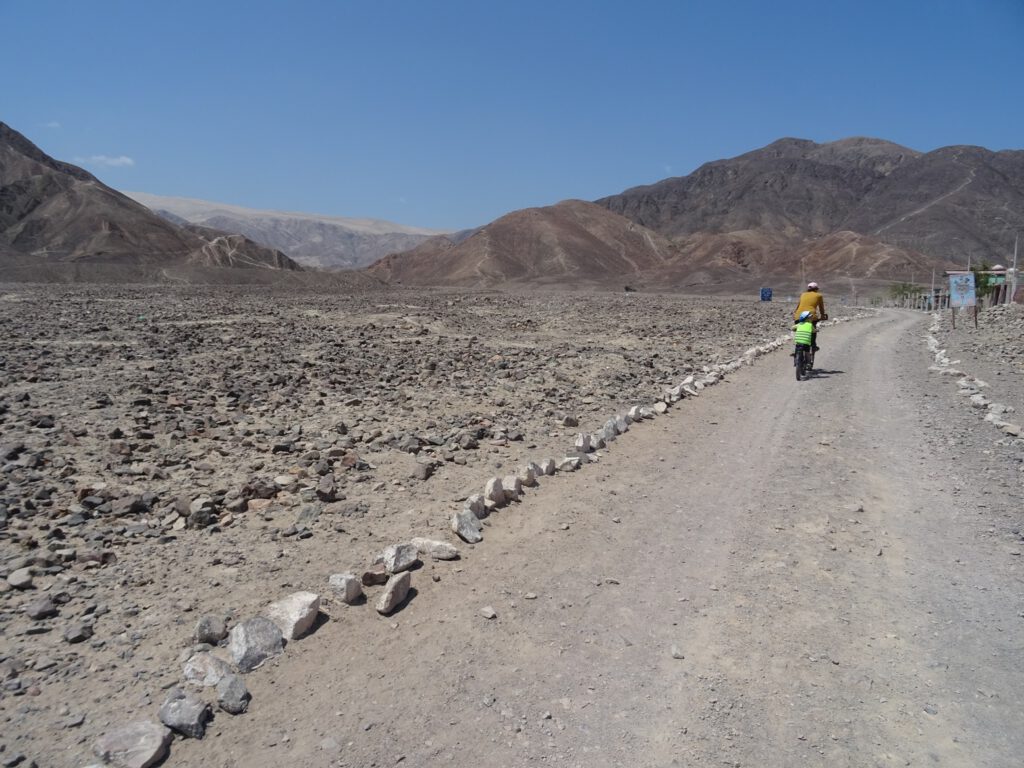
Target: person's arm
<point>821,307</point>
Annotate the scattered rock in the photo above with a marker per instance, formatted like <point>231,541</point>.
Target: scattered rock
<point>21,578</point>
<point>139,744</point>
<point>569,464</point>
<point>205,669</point>
<point>295,614</point>
<point>436,550</point>
<point>253,642</point>
<point>327,489</point>
<point>78,632</point>
<point>347,586</point>
<point>185,713</point>
<point>494,491</point>
<point>399,557</point>
<point>40,609</point>
<point>375,575</point>
<point>210,630</point>
<point>488,612</point>
<point>467,526</point>
<point>395,591</point>
<point>477,505</point>
<point>513,488</point>
<point>232,695</point>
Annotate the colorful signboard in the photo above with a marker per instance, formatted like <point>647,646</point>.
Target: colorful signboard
<point>961,290</point>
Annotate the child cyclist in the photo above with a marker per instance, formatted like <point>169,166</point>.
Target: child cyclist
<point>803,331</point>
<point>803,336</point>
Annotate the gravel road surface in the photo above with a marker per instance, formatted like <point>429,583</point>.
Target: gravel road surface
<point>774,574</point>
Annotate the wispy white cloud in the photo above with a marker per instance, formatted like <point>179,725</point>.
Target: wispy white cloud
<point>51,124</point>
<point>121,161</point>
<point>668,169</point>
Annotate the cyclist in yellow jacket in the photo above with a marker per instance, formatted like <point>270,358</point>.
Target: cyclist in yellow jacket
<point>812,301</point>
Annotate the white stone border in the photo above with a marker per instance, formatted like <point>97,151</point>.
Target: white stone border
<point>500,491</point>
<point>970,387</point>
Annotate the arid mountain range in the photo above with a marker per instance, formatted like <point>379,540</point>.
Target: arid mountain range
<point>328,242</point>
<point>852,211</point>
<point>951,204</point>
<point>572,242</point>
<point>56,218</point>
<point>859,210</point>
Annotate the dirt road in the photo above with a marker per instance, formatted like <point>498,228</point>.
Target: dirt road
<point>834,561</point>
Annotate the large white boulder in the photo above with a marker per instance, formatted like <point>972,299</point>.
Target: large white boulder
<point>294,615</point>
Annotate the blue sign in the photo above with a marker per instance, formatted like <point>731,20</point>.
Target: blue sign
<point>961,290</point>
<point>766,294</point>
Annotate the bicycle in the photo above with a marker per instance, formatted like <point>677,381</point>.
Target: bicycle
<point>803,361</point>
<point>803,354</point>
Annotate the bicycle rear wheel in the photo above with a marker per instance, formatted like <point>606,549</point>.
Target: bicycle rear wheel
<point>798,362</point>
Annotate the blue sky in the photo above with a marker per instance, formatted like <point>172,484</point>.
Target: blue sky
<point>450,113</point>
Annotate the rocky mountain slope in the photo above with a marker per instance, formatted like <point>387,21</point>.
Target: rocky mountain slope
<point>857,210</point>
<point>53,213</point>
<point>791,187</point>
<point>782,200</point>
<point>312,240</point>
<point>573,242</point>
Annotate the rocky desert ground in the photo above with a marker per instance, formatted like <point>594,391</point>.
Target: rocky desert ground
<point>230,512</point>
<point>176,455</point>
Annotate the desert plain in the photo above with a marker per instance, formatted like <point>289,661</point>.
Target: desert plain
<point>178,458</point>
<point>173,453</point>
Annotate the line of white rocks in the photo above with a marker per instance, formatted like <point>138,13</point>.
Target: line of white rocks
<point>500,491</point>
<point>970,387</point>
<point>219,658</point>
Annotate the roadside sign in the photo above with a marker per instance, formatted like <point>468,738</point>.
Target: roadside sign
<point>961,290</point>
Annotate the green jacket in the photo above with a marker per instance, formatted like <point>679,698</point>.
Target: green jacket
<point>803,332</point>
